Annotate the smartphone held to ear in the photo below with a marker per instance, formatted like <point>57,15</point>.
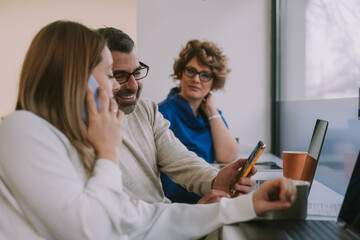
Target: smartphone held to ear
<point>244,171</point>
<point>94,87</point>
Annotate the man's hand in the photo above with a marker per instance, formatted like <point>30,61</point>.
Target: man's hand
<point>275,194</point>
<point>213,196</point>
<point>227,174</point>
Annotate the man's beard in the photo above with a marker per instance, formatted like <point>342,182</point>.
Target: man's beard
<point>127,108</point>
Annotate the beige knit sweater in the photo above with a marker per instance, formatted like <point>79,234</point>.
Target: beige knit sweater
<point>149,146</point>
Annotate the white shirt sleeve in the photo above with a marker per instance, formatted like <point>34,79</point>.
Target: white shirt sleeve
<point>38,166</point>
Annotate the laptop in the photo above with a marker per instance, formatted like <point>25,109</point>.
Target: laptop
<point>315,146</point>
<point>347,225</point>
<point>316,143</point>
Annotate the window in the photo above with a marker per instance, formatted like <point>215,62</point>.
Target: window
<point>316,75</point>
<point>320,52</point>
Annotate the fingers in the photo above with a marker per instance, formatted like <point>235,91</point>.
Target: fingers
<point>90,101</point>
<point>118,114</point>
<point>253,171</point>
<point>244,186</point>
<point>287,190</point>
<point>213,196</point>
<point>211,99</point>
<point>105,102</point>
<point>277,206</point>
<point>238,163</point>
<point>104,99</point>
<point>114,108</point>
<point>275,194</point>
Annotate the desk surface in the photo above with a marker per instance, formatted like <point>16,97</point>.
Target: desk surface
<point>318,193</point>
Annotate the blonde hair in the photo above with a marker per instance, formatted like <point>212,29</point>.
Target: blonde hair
<point>54,78</point>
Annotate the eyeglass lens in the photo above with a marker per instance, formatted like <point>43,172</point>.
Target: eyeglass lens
<point>204,75</point>
<point>140,73</point>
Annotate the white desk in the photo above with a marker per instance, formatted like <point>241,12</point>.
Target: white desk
<point>318,193</point>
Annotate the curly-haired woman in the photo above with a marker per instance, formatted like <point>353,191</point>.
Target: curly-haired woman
<point>201,68</point>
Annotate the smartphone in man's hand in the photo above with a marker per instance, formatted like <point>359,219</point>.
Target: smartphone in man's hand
<point>244,171</point>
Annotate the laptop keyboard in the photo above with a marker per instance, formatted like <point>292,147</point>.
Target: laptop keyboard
<point>292,229</point>
<point>323,209</point>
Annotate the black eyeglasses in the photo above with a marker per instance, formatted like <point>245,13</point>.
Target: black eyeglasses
<point>203,75</point>
<point>139,73</point>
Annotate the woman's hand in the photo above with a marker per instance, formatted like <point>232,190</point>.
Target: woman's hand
<point>275,194</point>
<point>225,146</point>
<point>208,106</point>
<point>104,131</point>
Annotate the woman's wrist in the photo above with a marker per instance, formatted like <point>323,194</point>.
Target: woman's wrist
<point>109,155</point>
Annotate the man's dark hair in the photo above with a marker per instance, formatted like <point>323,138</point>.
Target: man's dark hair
<point>116,39</point>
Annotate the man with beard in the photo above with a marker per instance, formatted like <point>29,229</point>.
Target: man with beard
<point>148,145</point>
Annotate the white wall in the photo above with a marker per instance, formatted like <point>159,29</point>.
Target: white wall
<point>241,28</point>
<point>20,20</point>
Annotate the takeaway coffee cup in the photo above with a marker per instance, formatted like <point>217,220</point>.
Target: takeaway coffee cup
<point>298,209</point>
<point>293,164</point>
<point>298,165</point>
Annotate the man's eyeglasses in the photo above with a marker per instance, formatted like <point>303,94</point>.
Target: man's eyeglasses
<point>139,73</point>
<point>204,75</point>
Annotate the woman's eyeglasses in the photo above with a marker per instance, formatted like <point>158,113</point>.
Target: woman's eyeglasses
<point>203,75</point>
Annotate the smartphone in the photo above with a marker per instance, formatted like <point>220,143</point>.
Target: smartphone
<point>94,87</point>
<point>244,171</point>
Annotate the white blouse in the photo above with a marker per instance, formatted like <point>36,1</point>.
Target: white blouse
<point>44,194</point>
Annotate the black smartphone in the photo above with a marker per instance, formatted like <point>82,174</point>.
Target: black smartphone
<point>244,171</point>
<point>94,87</point>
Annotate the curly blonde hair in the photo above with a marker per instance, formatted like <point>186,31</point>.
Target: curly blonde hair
<point>208,54</point>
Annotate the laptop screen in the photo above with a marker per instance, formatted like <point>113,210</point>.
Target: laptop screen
<point>317,138</point>
<point>316,143</point>
<point>350,209</point>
